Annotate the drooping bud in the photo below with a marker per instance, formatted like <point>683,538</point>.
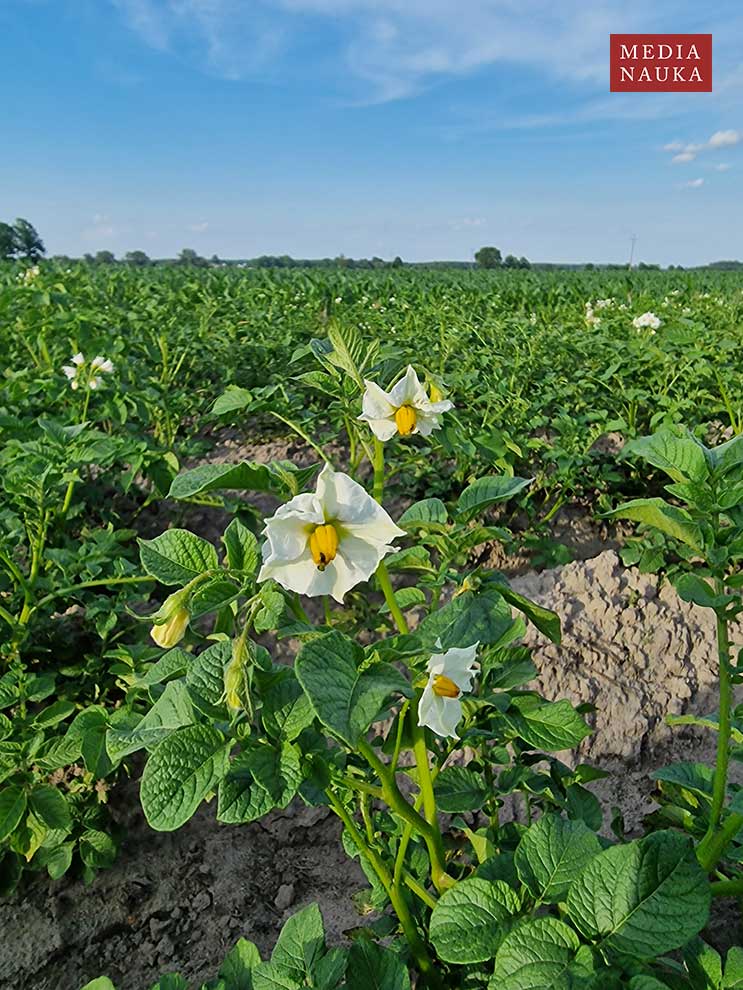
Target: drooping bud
<point>405,420</point>
<point>176,618</point>
<point>324,545</point>
<point>445,687</point>
<point>237,675</point>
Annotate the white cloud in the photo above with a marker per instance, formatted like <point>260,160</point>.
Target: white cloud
<point>724,139</point>
<point>688,152</point>
<point>199,228</point>
<point>722,167</point>
<point>693,184</point>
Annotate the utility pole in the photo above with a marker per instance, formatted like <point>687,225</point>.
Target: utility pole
<point>632,250</point>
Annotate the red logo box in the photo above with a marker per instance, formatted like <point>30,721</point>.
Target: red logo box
<point>661,63</point>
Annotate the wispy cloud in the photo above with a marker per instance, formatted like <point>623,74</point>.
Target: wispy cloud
<point>692,184</point>
<point>688,152</point>
<point>199,228</point>
<point>396,48</point>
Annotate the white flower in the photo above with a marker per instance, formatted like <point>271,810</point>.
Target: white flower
<point>95,382</point>
<point>327,542</point>
<point>591,319</point>
<point>449,677</point>
<point>646,320</point>
<point>604,303</point>
<point>405,409</point>
<point>69,371</point>
<point>102,364</point>
<point>78,359</point>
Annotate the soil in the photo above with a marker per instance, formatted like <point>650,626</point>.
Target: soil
<point>178,902</point>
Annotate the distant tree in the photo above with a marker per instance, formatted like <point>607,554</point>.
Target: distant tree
<point>488,257</point>
<point>7,242</point>
<point>62,259</point>
<point>28,243</point>
<point>88,258</point>
<point>190,257</point>
<point>590,266</point>
<point>524,262</point>
<point>511,261</point>
<point>397,262</point>
<point>105,258</point>
<point>215,260</point>
<point>138,258</point>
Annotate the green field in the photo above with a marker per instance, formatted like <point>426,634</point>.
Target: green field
<point>119,383</point>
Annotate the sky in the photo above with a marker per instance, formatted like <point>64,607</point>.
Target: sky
<point>419,128</point>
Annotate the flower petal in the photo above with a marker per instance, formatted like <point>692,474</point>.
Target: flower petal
<point>376,402</point>
<point>383,429</point>
<point>408,391</point>
<point>441,715</point>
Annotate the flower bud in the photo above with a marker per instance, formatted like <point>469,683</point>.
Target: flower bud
<point>176,618</point>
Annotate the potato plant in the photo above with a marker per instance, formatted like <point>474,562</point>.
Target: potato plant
<point>405,709</point>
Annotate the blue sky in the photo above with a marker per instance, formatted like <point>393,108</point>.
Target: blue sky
<point>424,128</point>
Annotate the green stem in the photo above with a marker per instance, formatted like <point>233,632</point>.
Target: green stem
<point>378,464</point>
<point>425,783</point>
<point>398,804</point>
<point>727,888</point>
<point>398,901</point>
<point>712,847</point>
<point>419,890</point>
<point>101,582</point>
<point>720,783</point>
<point>383,579</point>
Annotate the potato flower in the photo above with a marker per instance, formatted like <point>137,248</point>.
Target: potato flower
<point>405,409</point>
<point>326,542</point>
<point>79,373</point>
<point>646,320</point>
<point>449,677</point>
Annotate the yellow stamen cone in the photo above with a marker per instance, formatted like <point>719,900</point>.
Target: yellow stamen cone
<point>324,545</point>
<point>445,687</point>
<point>405,420</point>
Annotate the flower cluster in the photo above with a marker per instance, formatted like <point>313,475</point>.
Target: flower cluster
<point>649,320</point>
<point>87,375</point>
<point>29,275</point>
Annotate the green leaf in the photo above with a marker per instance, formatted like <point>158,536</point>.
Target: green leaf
<point>58,860</point>
<point>545,620</point>
<point>470,920</point>
<point>695,777</point>
<point>552,853</point>
<point>267,976</point>
<point>372,967</point>
<point>667,518</point>
<point>487,491</point>
<point>704,964</point>
<point>50,807</point>
<point>644,982</point>
<point>233,399</point>
<point>248,476</point>
<point>257,781</point>
<point>459,789</point>
<point>182,770</point>
<point>675,452</point>
<point>242,549</point>
<point>643,898</point>
<point>552,726</point>
<point>331,969</point>
<point>177,556</point>
<point>99,983</point>
<point>346,697</point>
<point>212,595</point>
<point>471,617</point>
<point>300,944</point>
<point>406,598</point>
<point>692,588</point>
<point>205,676</point>
<point>537,955</point>
<point>429,513</point>
<point>12,809</point>
<point>172,710</point>
<point>238,966</point>
<point>286,710</point>
<point>97,849</point>
<point>733,976</point>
